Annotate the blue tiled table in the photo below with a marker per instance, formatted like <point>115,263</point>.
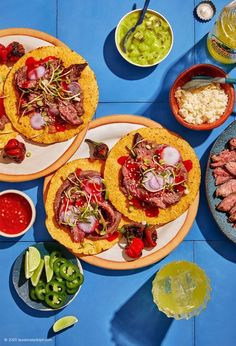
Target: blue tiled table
<point>115,308</point>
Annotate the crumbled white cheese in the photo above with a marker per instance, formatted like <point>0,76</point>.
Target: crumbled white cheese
<point>202,105</point>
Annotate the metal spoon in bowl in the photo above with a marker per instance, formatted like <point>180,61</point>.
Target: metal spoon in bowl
<point>130,31</point>
<point>200,81</point>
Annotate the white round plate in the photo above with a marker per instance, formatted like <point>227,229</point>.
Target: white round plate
<point>109,130</point>
<point>44,159</point>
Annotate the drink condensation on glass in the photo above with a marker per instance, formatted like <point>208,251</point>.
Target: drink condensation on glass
<point>181,289</point>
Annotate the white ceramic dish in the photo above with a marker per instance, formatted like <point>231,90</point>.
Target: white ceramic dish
<point>33,216</point>
<point>109,130</point>
<point>44,159</point>
<point>118,43</point>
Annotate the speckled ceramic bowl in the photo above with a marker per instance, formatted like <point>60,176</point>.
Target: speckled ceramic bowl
<point>21,284</point>
<point>220,218</point>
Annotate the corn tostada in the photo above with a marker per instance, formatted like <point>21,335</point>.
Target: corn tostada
<point>51,94</point>
<point>152,175</point>
<point>79,215</point>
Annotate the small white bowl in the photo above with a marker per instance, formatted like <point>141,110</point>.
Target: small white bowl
<point>33,216</point>
<point>125,56</point>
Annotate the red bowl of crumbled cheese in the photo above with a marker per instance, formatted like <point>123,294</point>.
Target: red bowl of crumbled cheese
<point>205,107</point>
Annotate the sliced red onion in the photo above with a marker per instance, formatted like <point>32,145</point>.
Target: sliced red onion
<point>74,88</point>
<point>153,182</point>
<point>37,121</point>
<point>36,73</point>
<point>171,156</point>
<point>89,226</point>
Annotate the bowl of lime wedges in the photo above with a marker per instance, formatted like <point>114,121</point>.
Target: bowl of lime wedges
<point>150,43</point>
<point>46,276</point>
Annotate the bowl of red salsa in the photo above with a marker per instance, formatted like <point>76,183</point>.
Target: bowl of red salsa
<point>17,213</point>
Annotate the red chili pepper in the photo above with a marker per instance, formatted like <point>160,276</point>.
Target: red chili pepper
<point>152,211</point>
<point>64,85</point>
<point>179,188</point>
<point>14,150</point>
<point>15,51</point>
<point>136,203</point>
<point>188,165</point>
<point>178,179</point>
<point>3,54</point>
<point>121,160</point>
<point>112,236</point>
<point>134,249</point>
<point>60,127</point>
<point>80,202</point>
<point>2,109</point>
<point>150,236</point>
<point>78,171</point>
<point>12,144</point>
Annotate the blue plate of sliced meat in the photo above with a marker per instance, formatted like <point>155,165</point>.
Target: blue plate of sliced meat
<point>221,181</point>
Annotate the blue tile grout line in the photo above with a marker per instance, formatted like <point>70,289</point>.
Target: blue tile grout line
<point>57,17</point>
<point>194,33</point>
<point>194,318</point>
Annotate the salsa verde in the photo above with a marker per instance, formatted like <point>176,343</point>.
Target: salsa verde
<point>150,42</point>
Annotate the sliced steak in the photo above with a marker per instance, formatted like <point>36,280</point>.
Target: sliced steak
<point>221,175</point>
<point>143,149</point>
<point>50,66</point>
<point>57,201</point>
<point>222,158</point>
<point>79,108</point>
<point>22,81</point>
<point>226,188</point>
<point>69,113</point>
<point>89,174</point>
<point>111,229</point>
<point>232,217</point>
<point>231,167</point>
<point>171,198</point>
<point>227,203</point>
<point>232,143</point>
<point>74,71</point>
<point>232,210</point>
<point>134,189</point>
<point>3,121</point>
<point>77,234</point>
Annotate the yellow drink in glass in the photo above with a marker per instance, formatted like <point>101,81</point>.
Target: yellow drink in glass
<point>181,289</point>
<point>221,42</point>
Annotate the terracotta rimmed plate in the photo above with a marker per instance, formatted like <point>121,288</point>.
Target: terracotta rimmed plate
<point>21,284</point>
<point>44,159</point>
<point>220,218</point>
<point>110,129</point>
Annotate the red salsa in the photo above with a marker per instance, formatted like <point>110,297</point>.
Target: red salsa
<point>15,213</point>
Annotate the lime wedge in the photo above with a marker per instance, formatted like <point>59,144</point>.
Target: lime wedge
<point>34,258</point>
<point>64,322</point>
<point>28,274</point>
<point>48,269</point>
<point>37,273</point>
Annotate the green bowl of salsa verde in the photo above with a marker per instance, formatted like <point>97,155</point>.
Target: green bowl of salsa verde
<point>150,43</point>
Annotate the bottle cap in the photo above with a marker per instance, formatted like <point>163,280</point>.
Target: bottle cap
<point>205,10</point>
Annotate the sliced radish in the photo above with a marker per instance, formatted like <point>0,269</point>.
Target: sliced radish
<point>37,121</point>
<point>153,182</point>
<point>171,156</point>
<point>36,73</point>
<point>96,180</point>
<point>89,226</point>
<point>74,88</point>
